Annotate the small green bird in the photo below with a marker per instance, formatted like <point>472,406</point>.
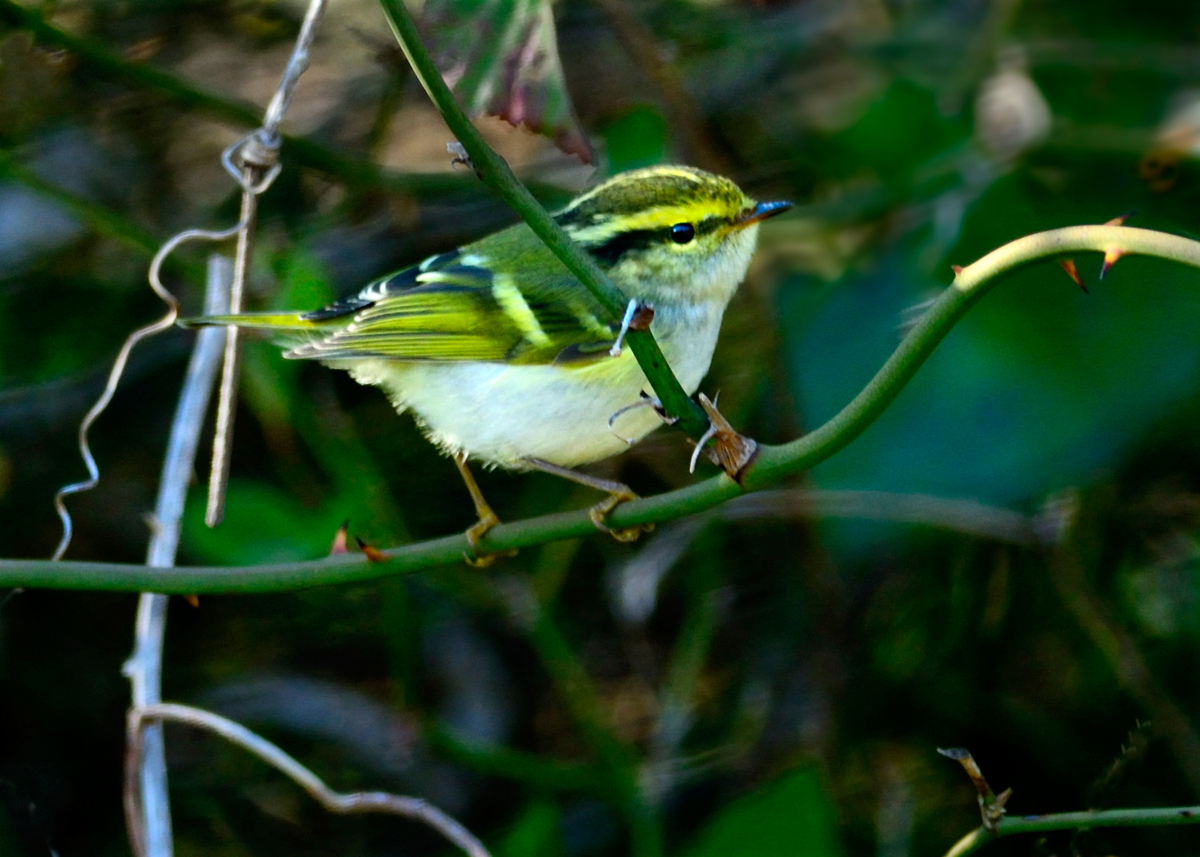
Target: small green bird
<point>505,358</point>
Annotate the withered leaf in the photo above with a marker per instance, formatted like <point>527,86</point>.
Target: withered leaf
<point>501,59</point>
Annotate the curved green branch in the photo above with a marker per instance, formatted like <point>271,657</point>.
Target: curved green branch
<point>773,464</point>
<point>970,284</point>
<point>1155,816</point>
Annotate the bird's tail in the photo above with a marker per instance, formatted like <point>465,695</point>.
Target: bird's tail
<point>279,322</point>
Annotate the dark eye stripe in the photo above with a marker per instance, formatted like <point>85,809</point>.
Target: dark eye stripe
<point>610,252</point>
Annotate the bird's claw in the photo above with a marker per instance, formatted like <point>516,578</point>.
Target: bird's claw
<point>474,533</point>
<point>600,512</point>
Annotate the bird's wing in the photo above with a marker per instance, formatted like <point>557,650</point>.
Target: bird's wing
<point>463,306</point>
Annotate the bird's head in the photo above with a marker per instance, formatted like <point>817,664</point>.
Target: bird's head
<point>670,234</point>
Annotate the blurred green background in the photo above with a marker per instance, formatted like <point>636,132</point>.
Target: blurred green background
<point>1006,561</point>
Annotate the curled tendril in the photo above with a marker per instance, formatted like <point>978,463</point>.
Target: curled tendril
<point>118,369</point>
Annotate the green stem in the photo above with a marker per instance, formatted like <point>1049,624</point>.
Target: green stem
<point>970,284</point>
<point>496,173</point>
<point>1157,817</point>
<point>774,463</point>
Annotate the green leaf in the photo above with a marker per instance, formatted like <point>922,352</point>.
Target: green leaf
<point>501,59</point>
<point>789,816</point>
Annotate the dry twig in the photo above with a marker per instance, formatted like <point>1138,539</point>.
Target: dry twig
<point>343,803</point>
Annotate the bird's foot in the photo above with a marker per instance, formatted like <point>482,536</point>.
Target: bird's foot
<point>618,493</point>
<point>600,512</point>
<point>487,520</point>
<point>474,533</point>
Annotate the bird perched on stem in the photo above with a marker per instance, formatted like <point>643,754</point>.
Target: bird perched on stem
<point>507,359</point>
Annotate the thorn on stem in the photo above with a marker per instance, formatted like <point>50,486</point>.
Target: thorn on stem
<point>1111,255</point>
<point>1068,265</point>
<point>638,316</point>
<point>372,554</point>
<point>957,269</point>
<point>339,539</point>
<point>1120,219</point>
<point>733,451</point>
<point>991,805</point>
<point>642,316</point>
<point>193,600</point>
<point>709,434</point>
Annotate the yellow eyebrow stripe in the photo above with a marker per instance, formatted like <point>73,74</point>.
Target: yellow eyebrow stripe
<point>666,216</point>
<point>662,217</point>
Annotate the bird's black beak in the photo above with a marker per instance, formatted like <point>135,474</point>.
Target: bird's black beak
<point>761,211</point>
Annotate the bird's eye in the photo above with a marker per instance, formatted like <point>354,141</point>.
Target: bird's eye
<point>682,233</point>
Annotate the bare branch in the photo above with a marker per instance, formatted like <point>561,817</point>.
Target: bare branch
<point>253,162</point>
<point>149,819</point>
<point>144,667</point>
<point>343,803</point>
